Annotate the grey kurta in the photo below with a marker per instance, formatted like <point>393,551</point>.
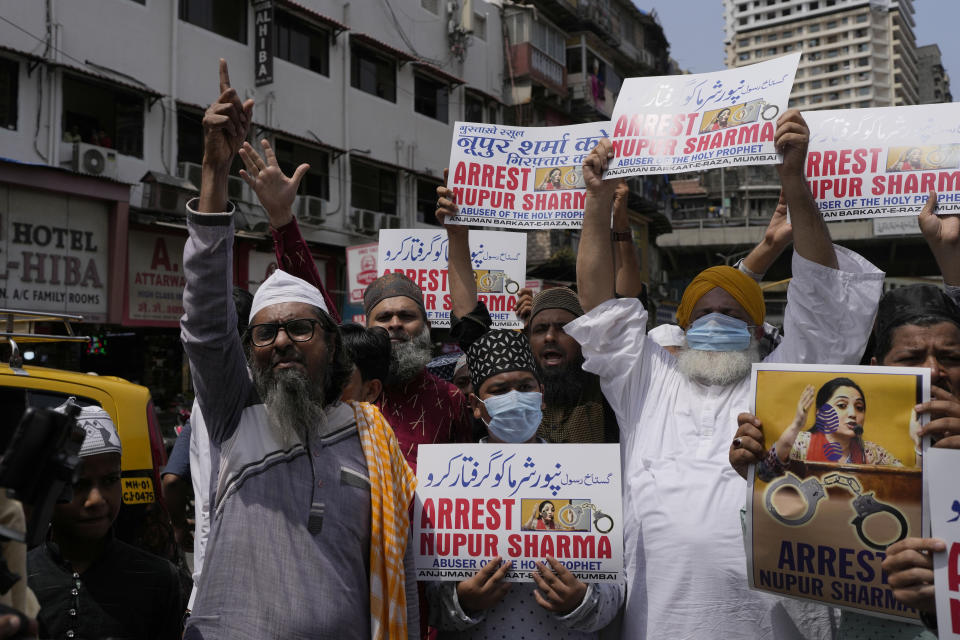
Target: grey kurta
<point>289,548</point>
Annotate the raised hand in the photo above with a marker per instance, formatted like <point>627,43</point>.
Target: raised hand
<point>524,304</point>
<point>558,590</point>
<point>486,588</point>
<point>225,124</point>
<point>942,234</point>
<point>944,410</point>
<point>275,190</point>
<point>779,231</point>
<point>447,209</point>
<point>593,167</point>
<point>791,139</point>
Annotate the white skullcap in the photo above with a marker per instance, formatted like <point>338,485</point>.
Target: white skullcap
<point>667,335</point>
<point>101,435</point>
<point>282,287</point>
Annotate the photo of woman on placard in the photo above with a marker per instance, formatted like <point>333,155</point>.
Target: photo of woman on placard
<point>836,434</point>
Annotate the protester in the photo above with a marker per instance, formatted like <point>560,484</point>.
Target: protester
<point>444,366</point>
<point>508,401</point>
<point>916,326</point>
<point>369,350</point>
<point>461,376</point>
<point>176,483</point>
<point>200,462</point>
<point>684,550</point>
<point>421,408</point>
<point>88,583</point>
<point>309,535</point>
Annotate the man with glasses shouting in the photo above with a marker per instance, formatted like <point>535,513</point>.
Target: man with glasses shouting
<point>309,522</point>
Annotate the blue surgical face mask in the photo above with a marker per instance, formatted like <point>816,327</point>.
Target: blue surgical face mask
<point>514,416</point>
<point>718,332</point>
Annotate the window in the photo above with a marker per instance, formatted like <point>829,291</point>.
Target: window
<point>9,82</point>
<point>787,47</point>
<point>301,43</point>
<point>433,6</point>
<point>863,91</point>
<point>427,201</point>
<point>862,17</point>
<point>745,42</point>
<point>480,27</point>
<point>291,154</point>
<point>373,187</point>
<point>814,42</point>
<point>575,60</point>
<point>816,84</point>
<point>102,115</point>
<point>772,51</point>
<point>224,17</point>
<point>832,24</point>
<point>744,56</point>
<point>742,21</point>
<point>772,37</point>
<point>473,108</point>
<point>814,5</point>
<point>373,73</point>
<point>430,97</point>
<point>814,28</point>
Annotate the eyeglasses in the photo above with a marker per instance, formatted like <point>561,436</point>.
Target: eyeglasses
<point>298,330</point>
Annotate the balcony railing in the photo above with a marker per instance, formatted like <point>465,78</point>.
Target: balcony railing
<point>528,60</point>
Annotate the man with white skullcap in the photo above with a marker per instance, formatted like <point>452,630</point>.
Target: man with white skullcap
<point>89,584</point>
<point>309,521</point>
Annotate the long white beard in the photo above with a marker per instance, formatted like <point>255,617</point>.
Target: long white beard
<point>718,367</point>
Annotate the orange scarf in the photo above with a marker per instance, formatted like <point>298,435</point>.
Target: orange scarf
<point>391,488</point>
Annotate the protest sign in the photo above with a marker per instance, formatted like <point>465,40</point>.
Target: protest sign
<point>672,124</point>
<point>361,271</point>
<point>940,476</point>
<point>521,177</point>
<point>522,502</point>
<point>499,261</point>
<point>868,163</point>
<point>819,528</point>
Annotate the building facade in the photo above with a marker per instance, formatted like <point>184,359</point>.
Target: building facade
<point>934,80</point>
<point>856,53</point>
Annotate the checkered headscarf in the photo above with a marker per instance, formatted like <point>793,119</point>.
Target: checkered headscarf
<point>499,351</point>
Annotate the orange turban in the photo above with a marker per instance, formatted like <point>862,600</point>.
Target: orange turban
<point>742,287</point>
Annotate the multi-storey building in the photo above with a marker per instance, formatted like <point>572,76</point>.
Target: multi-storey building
<point>856,53</point>
<point>101,104</point>
<point>934,80</point>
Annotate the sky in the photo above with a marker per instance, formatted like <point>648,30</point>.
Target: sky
<point>697,43</point>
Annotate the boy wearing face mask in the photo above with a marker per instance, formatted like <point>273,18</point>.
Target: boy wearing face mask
<point>508,399</point>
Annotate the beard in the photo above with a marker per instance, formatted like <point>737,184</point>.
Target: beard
<point>562,385</point>
<point>294,402</point>
<point>718,367</point>
<point>409,358</point>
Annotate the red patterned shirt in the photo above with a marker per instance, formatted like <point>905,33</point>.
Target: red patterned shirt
<point>426,410</point>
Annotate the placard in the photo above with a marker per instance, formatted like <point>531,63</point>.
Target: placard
<point>818,530</point>
<point>521,177</point>
<point>521,502</point>
<point>940,474</point>
<point>499,261</point>
<point>672,124</point>
<point>869,163</point>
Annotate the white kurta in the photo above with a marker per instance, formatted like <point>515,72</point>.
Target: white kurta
<point>684,554</point>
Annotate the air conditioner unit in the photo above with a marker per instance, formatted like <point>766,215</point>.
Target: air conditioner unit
<point>309,209</point>
<point>365,221</point>
<point>94,161</point>
<point>191,171</point>
<point>237,189</point>
<point>161,197</point>
<point>389,221</point>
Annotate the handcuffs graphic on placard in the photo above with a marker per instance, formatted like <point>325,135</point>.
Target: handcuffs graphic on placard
<point>813,491</point>
<point>570,514</point>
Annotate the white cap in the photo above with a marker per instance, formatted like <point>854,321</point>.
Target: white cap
<point>667,335</point>
<point>282,287</point>
<point>101,435</point>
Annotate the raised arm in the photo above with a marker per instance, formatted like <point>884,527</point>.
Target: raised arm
<point>277,193</point>
<point>463,286</point>
<point>629,280</point>
<point>596,279</point>
<point>942,234</point>
<point>209,322</point>
<point>811,239</point>
<point>776,238</point>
